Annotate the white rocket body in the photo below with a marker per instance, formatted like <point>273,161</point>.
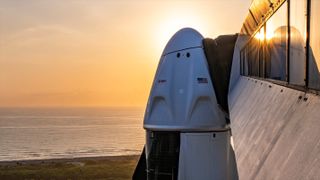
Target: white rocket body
<point>187,133</point>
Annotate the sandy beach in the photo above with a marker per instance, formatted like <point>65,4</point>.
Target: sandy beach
<point>108,167</point>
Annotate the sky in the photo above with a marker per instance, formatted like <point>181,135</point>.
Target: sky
<point>96,52</point>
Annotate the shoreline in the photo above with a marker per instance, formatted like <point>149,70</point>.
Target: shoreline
<point>98,167</point>
<point>68,160</point>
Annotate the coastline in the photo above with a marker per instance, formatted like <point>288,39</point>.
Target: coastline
<point>66,160</point>
<point>106,167</point>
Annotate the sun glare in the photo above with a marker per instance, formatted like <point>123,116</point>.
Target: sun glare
<point>269,35</point>
<point>172,23</point>
<point>261,36</point>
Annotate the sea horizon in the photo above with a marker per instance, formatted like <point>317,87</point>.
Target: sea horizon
<point>35,133</point>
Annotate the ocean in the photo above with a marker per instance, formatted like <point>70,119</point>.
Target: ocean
<point>48,133</point>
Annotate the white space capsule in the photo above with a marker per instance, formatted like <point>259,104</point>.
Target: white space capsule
<point>182,96</point>
<point>187,137</point>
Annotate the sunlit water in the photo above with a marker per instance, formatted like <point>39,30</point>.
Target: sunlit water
<point>30,133</point>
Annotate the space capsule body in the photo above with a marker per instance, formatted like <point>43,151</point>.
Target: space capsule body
<point>187,135</point>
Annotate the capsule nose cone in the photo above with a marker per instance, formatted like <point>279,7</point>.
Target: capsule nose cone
<point>183,39</point>
<point>182,97</point>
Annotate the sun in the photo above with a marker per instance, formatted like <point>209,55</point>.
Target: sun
<point>172,23</point>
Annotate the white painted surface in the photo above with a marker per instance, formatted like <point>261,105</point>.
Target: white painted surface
<point>205,157</point>
<point>179,101</point>
<point>276,134</point>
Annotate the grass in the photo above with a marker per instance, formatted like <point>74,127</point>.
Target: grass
<point>115,168</point>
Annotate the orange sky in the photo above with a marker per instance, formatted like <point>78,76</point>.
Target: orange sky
<point>96,52</point>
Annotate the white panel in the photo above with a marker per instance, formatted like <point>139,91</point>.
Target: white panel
<point>275,130</point>
<point>203,156</point>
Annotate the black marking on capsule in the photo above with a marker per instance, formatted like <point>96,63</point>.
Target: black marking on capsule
<point>162,81</point>
<point>202,80</point>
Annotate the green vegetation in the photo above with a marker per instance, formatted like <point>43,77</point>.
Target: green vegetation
<point>115,168</point>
